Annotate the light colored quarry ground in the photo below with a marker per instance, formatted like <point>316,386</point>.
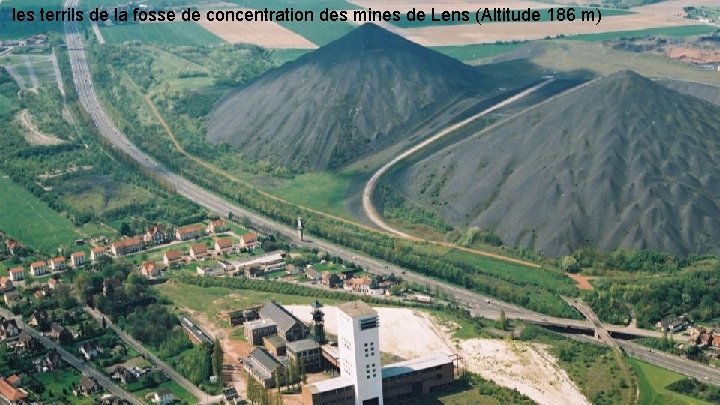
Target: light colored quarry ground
<point>396,325</point>
<point>524,366</point>
<point>33,135</point>
<point>265,34</point>
<point>527,367</point>
<point>654,16</point>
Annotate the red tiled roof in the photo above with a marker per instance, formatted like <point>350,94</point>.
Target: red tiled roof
<point>249,238</point>
<point>224,242</point>
<point>173,254</point>
<point>58,259</point>
<point>9,392</point>
<point>37,264</point>
<point>13,379</point>
<point>78,254</point>
<point>126,242</point>
<point>98,250</point>
<point>198,248</point>
<point>148,266</point>
<point>190,229</point>
<point>16,270</point>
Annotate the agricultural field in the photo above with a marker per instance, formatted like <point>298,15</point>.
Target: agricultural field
<point>31,221</point>
<point>652,381</point>
<point>682,31</point>
<point>175,33</point>
<point>466,53</point>
<point>101,194</point>
<point>30,70</point>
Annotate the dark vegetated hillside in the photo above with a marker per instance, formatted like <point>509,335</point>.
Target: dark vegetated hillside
<point>354,96</point>
<point>622,162</point>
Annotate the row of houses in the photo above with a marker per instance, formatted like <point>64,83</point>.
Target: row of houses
<point>705,337</point>
<point>157,234</point>
<point>40,268</point>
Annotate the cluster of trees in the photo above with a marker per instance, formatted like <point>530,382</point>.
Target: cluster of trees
<point>695,291</point>
<point>397,208</point>
<point>696,389</point>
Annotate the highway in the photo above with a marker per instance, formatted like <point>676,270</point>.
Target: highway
<point>478,304</point>
<point>202,397</point>
<point>101,378</point>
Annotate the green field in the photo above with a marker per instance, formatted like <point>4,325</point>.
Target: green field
<point>476,51</point>
<point>319,190</point>
<point>176,33</point>
<point>652,381</point>
<point>544,17</point>
<point>99,195</point>
<point>59,381</point>
<point>7,106</point>
<point>31,221</point>
<point>683,31</point>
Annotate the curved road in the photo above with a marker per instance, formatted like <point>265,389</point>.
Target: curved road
<point>369,190</point>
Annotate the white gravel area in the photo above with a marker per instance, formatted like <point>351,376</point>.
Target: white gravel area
<point>526,367</point>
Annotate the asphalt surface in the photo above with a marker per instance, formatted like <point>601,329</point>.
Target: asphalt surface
<point>101,378</point>
<point>478,304</point>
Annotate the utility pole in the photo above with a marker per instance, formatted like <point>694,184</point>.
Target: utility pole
<point>300,229</point>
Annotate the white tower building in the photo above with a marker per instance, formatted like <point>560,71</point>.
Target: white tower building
<point>359,351</point>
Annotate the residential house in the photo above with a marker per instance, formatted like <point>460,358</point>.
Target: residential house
<point>312,274</point>
<point>198,251</point>
<point>12,246</point>
<point>227,266</point>
<point>14,380</point>
<point>96,253</point>
<point>89,350</point>
<point>110,285</point>
<point>6,284</point>
<point>60,333</point>
<point>163,397</point>
<point>217,226</point>
<point>231,395</point>
<point>41,293</point>
<point>716,341</point>
<point>38,268</point>
<point>87,386</point>
<point>51,361</point>
<point>77,259</point>
<point>10,394</point>
<point>268,262</point>
<point>223,245</point>
<point>57,263</point>
<point>331,280</point>
<point>155,234</point>
<point>248,241</point>
<point>53,283</point>
<point>40,320</point>
<point>8,329</point>
<point>126,246</point>
<point>27,343</point>
<point>124,375</point>
<point>289,327</point>
<point>360,285</point>
<point>256,330</point>
<point>211,271</point>
<point>11,298</point>
<point>150,269</point>
<point>264,368</point>
<point>189,232</point>
<point>16,274</point>
<point>672,324</point>
<point>171,256</point>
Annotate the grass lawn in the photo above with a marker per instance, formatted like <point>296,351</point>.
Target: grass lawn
<point>31,221</point>
<point>652,381</point>
<point>322,191</point>
<point>175,33</point>
<point>57,381</point>
<point>180,393</point>
<point>100,195</point>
